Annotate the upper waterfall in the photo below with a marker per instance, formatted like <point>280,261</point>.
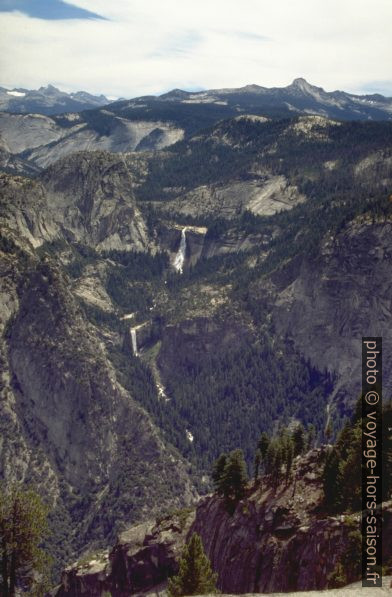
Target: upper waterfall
<point>180,257</point>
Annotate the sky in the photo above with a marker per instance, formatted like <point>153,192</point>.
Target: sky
<point>128,48</point>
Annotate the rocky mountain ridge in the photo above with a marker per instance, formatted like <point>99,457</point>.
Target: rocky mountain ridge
<point>300,96</point>
<point>31,142</point>
<point>48,100</point>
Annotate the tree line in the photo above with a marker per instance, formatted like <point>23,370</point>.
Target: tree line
<point>274,457</point>
<point>24,564</point>
<point>342,475</point>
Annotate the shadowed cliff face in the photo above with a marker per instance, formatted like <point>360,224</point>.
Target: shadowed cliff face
<point>329,303</point>
<point>273,542</point>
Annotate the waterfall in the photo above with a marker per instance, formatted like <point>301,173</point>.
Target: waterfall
<point>180,257</point>
<point>134,342</point>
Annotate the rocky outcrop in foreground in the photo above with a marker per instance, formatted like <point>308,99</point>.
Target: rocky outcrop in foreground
<point>142,559</point>
<point>274,541</point>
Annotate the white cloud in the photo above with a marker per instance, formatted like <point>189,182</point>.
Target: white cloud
<point>147,48</point>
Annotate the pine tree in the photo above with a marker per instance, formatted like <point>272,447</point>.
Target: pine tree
<point>263,444</point>
<point>342,470</point>
<point>277,474</point>
<point>195,576</point>
<point>218,470</point>
<point>270,458</point>
<point>299,440</point>
<point>23,525</point>
<point>350,470</point>
<point>257,464</point>
<point>311,436</point>
<point>235,477</point>
<point>328,432</point>
<point>331,481</point>
<point>288,457</point>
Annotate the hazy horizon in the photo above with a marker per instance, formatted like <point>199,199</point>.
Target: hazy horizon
<point>124,49</point>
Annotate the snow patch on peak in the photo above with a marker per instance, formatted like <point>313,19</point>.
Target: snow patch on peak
<point>252,118</point>
<point>16,93</point>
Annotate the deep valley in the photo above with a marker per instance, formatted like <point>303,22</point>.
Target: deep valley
<point>170,289</point>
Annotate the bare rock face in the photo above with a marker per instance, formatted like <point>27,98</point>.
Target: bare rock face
<point>24,212</point>
<point>142,559</point>
<point>28,131</point>
<point>204,244</point>
<point>329,303</point>
<point>266,550</point>
<point>151,123</point>
<point>42,139</point>
<point>91,198</point>
<point>264,195</point>
<point>169,238</point>
<point>66,422</point>
<point>146,555</point>
<point>86,198</point>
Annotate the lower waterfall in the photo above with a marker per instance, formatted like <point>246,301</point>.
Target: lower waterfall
<point>134,342</point>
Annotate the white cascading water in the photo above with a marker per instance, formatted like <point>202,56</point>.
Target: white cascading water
<point>161,392</point>
<point>134,342</point>
<point>180,257</point>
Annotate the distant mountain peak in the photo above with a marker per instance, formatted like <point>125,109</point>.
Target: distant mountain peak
<point>252,88</point>
<point>175,94</point>
<point>302,84</point>
<point>299,82</point>
<point>48,87</point>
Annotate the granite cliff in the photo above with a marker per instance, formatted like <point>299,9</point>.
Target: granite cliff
<point>68,425</point>
<point>273,542</point>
